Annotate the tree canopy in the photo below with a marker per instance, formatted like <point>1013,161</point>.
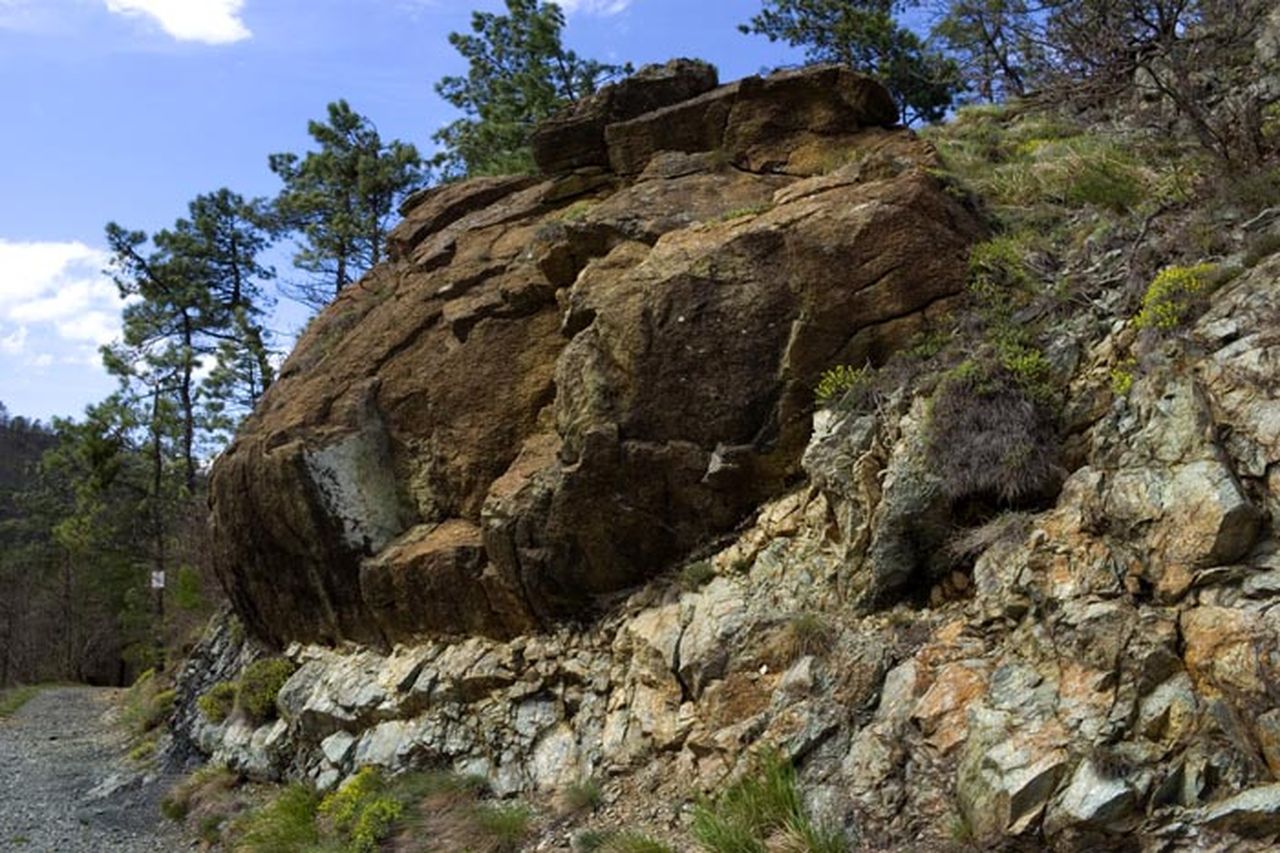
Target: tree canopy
<point>519,73</point>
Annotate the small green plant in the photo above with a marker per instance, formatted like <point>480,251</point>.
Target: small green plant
<point>926,345</point>
<point>577,211</point>
<point>1122,378</point>
<point>805,633</point>
<point>840,382</point>
<point>260,683</point>
<point>744,212</point>
<point>1028,367</point>
<point>143,750</point>
<point>762,806</point>
<point>1173,293</point>
<point>361,810</point>
<point>696,575</point>
<point>218,703</point>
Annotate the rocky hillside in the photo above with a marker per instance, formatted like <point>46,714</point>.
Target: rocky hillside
<point>546,498</point>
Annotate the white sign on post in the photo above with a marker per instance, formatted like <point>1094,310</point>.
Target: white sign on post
<point>157,580</point>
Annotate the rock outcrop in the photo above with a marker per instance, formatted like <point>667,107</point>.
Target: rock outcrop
<point>1103,677</point>
<point>562,385</point>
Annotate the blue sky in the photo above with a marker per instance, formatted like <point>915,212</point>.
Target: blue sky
<point>125,110</point>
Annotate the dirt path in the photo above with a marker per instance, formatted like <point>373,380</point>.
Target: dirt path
<point>66,786</point>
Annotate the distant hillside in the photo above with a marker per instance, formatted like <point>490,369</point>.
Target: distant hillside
<point>22,442</point>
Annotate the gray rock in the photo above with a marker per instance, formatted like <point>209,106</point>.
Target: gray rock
<point>1252,812</point>
<point>1091,799</point>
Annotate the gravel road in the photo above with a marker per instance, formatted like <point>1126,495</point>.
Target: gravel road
<point>66,786</point>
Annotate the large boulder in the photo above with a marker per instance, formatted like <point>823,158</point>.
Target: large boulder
<point>557,387</point>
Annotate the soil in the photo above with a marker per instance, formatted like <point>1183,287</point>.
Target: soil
<point>66,784</point>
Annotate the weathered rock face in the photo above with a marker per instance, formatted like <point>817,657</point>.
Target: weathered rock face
<point>1103,677</point>
<point>561,385</point>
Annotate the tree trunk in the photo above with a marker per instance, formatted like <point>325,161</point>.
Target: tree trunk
<point>188,406</point>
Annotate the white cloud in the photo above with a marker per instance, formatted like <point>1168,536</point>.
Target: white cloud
<point>58,288</point>
<point>594,7</point>
<point>208,21</point>
<point>95,327</point>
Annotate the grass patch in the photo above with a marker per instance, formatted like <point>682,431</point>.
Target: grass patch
<point>13,698</point>
<point>806,633</point>
<point>202,793</point>
<point>505,825</point>
<point>429,811</point>
<point>285,823</point>
<point>148,704</point>
<point>762,812</point>
<point>585,795</point>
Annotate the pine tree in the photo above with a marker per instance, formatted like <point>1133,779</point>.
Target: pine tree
<point>519,73</point>
<point>339,200</point>
<point>866,36</point>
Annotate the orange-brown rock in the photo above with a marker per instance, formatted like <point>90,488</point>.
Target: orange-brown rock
<point>558,386</point>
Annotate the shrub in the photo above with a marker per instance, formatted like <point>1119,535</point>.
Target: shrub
<point>1172,295</point>
<point>760,807</point>
<point>989,438</point>
<point>696,575</point>
<point>1122,378</point>
<point>966,545</point>
<point>363,811</point>
<point>1260,248</point>
<point>841,382</point>
<point>219,701</point>
<point>260,683</point>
